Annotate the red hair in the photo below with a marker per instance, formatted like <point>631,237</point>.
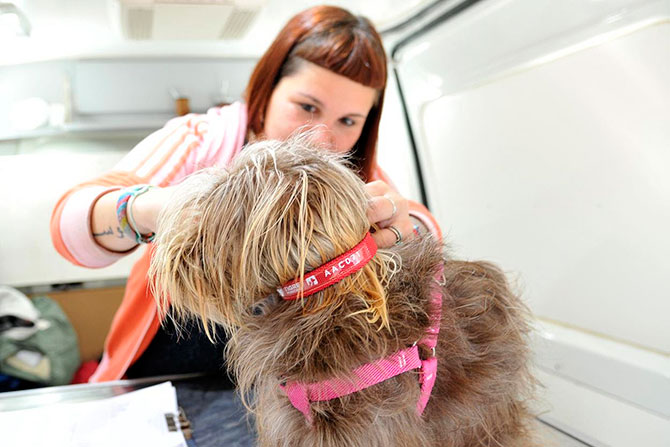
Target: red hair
<point>338,41</point>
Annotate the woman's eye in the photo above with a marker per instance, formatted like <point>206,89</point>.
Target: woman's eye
<point>308,108</point>
<point>347,122</point>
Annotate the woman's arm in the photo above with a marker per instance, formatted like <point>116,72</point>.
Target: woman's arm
<point>84,225</point>
<point>105,225</point>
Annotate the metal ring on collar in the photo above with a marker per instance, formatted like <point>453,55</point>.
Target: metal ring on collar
<point>398,234</point>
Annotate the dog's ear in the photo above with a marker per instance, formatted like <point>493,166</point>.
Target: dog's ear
<point>189,274</point>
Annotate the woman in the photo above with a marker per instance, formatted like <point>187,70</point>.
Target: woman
<point>325,71</point>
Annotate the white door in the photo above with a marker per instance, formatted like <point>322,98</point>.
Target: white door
<point>542,134</point>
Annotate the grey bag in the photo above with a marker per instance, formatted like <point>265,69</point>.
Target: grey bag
<point>42,347</point>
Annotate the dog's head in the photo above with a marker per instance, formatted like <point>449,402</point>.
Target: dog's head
<point>229,238</point>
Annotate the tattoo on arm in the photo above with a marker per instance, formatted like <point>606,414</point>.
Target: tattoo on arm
<point>109,232</point>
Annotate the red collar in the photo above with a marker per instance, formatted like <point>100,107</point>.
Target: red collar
<point>331,272</point>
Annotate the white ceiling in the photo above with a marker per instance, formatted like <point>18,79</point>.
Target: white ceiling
<point>89,29</point>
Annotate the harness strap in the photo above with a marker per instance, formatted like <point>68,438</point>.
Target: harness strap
<point>429,366</point>
<point>301,394</point>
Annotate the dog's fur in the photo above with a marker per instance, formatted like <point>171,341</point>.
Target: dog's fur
<point>230,238</point>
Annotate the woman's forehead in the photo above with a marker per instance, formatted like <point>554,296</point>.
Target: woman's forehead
<point>329,89</point>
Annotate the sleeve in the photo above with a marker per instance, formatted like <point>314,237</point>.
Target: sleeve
<point>184,145</point>
<point>416,210</point>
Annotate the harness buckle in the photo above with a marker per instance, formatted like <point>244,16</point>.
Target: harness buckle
<point>441,280</point>
<point>432,349</point>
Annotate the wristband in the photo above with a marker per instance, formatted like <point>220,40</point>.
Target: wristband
<point>124,213</point>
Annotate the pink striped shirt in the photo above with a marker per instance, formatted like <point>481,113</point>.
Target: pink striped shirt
<point>184,145</point>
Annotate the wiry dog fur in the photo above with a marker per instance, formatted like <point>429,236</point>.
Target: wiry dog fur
<point>230,238</point>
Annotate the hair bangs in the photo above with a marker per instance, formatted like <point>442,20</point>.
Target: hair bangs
<point>349,54</point>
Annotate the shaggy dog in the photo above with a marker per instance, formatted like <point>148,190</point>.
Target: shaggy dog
<point>230,238</point>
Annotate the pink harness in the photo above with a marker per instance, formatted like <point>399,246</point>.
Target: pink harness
<point>302,394</point>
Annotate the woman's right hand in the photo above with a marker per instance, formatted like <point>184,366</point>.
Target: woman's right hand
<point>147,206</point>
<point>105,225</point>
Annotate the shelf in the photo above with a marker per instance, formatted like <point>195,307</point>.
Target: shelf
<point>84,125</point>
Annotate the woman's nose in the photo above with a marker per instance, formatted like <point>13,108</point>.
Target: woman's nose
<point>322,135</point>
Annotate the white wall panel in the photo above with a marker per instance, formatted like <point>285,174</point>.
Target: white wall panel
<point>561,172</point>
<point>550,155</point>
<point>30,185</point>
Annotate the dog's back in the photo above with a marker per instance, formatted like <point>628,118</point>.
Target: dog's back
<point>482,381</point>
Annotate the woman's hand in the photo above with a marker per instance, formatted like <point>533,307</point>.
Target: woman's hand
<point>147,206</point>
<point>390,212</point>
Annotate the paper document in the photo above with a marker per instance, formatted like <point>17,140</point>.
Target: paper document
<point>132,419</point>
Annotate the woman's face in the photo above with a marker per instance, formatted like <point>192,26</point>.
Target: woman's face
<point>335,106</point>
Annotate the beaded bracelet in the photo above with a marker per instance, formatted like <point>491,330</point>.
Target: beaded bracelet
<point>124,213</point>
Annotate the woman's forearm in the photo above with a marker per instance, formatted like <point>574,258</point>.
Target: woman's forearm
<point>105,226</point>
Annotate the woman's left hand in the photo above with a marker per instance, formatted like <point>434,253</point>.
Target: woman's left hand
<point>390,212</point>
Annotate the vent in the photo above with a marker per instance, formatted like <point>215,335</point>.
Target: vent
<point>187,19</point>
<point>238,23</point>
<point>139,23</point>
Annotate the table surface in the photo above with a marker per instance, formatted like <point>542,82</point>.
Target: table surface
<point>216,413</point>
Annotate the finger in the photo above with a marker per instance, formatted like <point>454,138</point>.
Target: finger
<point>380,209</point>
<point>384,238</point>
<point>399,210</point>
<point>377,188</point>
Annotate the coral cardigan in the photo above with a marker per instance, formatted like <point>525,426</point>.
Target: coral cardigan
<point>185,145</point>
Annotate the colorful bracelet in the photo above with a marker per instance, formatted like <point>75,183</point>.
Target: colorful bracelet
<point>124,213</point>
